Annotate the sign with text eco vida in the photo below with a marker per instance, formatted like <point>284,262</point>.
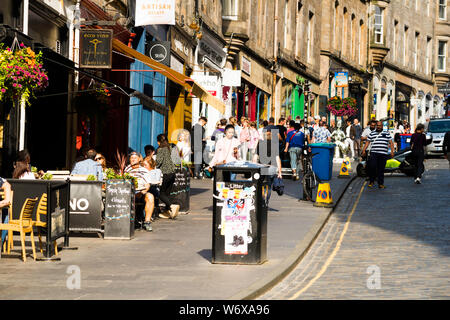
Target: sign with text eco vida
<point>96,49</point>
<point>150,12</point>
<point>159,51</point>
<point>341,79</point>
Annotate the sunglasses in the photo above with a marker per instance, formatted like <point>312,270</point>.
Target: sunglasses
<point>100,158</point>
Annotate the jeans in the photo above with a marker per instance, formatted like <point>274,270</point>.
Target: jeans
<point>376,165</point>
<point>4,216</point>
<point>419,156</point>
<point>270,179</point>
<point>295,154</point>
<point>357,147</point>
<point>168,180</point>
<point>244,150</point>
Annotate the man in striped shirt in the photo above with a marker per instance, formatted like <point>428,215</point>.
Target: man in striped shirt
<point>380,142</point>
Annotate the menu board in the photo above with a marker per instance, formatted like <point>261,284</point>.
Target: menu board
<point>119,209</point>
<point>180,190</point>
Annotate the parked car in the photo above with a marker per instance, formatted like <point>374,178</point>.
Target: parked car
<point>437,129</point>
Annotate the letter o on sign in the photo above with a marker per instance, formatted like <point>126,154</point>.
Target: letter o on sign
<point>82,204</point>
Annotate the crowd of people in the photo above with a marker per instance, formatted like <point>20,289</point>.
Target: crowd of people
<point>233,140</point>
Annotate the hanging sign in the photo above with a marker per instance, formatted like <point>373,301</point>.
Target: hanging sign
<point>341,79</point>
<point>149,12</point>
<point>159,51</point>
<point>96,49</point>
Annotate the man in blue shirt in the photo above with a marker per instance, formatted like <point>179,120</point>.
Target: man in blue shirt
<point>295,141</point>
<point>89,166</point>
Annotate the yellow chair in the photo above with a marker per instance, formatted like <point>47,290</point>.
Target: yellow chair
<point>40,224</point>
<point>2,196</point>
<point>42,210</point>
<point>24,226</point>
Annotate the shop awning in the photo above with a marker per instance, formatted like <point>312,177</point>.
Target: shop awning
<point>189,84</point>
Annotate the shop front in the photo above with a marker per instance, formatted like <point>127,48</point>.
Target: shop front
<point>252,99</point>
<point>402,101</point>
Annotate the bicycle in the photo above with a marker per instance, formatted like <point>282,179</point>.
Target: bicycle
<point>309,180</point>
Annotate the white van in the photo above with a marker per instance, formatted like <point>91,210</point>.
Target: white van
<point>437,129</point>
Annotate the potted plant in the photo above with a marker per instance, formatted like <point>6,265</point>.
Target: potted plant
<point>21,73</point>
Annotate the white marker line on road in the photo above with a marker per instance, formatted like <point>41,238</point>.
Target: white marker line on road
<point>335,251</point>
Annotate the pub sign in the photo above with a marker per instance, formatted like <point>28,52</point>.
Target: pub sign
<point>96,49</point>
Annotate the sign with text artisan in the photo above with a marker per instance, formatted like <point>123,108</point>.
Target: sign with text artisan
<point>149,12</point>
<point>96,49</point>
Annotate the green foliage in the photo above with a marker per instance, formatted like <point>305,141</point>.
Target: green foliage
<point>47,176</point>
<point>34,169</point>
<point>91,177</point>
<point>111,174</point>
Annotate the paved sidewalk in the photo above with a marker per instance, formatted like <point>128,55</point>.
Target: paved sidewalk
<point>174,261</point>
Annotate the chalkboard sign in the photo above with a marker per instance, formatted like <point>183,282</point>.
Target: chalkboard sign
<point>180,190</point>
<point>119,209</point>
<point>86,206</point>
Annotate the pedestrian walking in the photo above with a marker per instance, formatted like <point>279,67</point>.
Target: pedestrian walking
<point>254,139</point>
<point>357,140</point>
<point>321,134</point>
<point>295,142</point>
<point>227,149</point>
<point>198,144</point>
<point>350,136</point>
<point>418,143</point>
<point>244,138</point>
<point>166,165</point>
<point>379,142</point>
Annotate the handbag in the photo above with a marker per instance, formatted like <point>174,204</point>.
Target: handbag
<point>278,186</point>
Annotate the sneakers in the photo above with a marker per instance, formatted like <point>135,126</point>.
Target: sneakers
<point>418,181</point>
<point>174,210</point>
<point>148,226</point>
<point>381,186</point>
<point>370,185</point>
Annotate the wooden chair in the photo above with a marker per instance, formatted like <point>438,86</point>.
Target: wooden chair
<point>2,196</point>
<point>24,226</point>
<point>42,210</point>
<point>40,223</point>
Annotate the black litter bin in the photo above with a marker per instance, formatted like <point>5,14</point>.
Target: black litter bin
<point>240,213</point>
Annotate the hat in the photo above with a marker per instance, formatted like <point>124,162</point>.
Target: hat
<point>317,117</point>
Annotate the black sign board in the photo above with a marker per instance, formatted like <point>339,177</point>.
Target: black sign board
<point>96,48</point>
<point>57,217</point>
<point>119,209</point>
<point>85,206</point>
<point>179,191</point>
<point>159,51</point>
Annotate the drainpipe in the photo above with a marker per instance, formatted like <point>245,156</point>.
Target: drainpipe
<point>22,101</point>
<point>275,51</point>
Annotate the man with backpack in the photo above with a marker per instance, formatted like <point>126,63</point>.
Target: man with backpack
<point>295,142</point>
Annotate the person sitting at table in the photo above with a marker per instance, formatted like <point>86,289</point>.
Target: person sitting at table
<point>89,166</point>
<point>5,202</point>
<point>142,175</point>
<point>102,161</point>
<point>155,183</point>
<point>22,167</point>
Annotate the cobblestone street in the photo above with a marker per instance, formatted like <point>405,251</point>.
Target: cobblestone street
<point>397,245</point>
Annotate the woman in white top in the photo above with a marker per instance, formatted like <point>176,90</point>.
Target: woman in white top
<point>22,169</point>
<point>184,146</point>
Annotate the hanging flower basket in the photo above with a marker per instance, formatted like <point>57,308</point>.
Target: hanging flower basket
<point>342,107</point>
<point>21,73</point>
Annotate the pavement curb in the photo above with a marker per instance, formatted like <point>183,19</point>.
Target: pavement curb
<point>287,265</point>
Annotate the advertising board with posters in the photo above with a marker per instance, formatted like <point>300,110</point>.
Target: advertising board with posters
<point>341,79</point>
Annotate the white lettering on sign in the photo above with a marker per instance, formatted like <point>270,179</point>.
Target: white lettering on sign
<point>79,204</point>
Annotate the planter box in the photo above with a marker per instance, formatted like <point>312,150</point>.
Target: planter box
<point>119,210</point>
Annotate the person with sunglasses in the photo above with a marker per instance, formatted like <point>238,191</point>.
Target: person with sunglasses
<point>89,166</point>
<point>102,161</point>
